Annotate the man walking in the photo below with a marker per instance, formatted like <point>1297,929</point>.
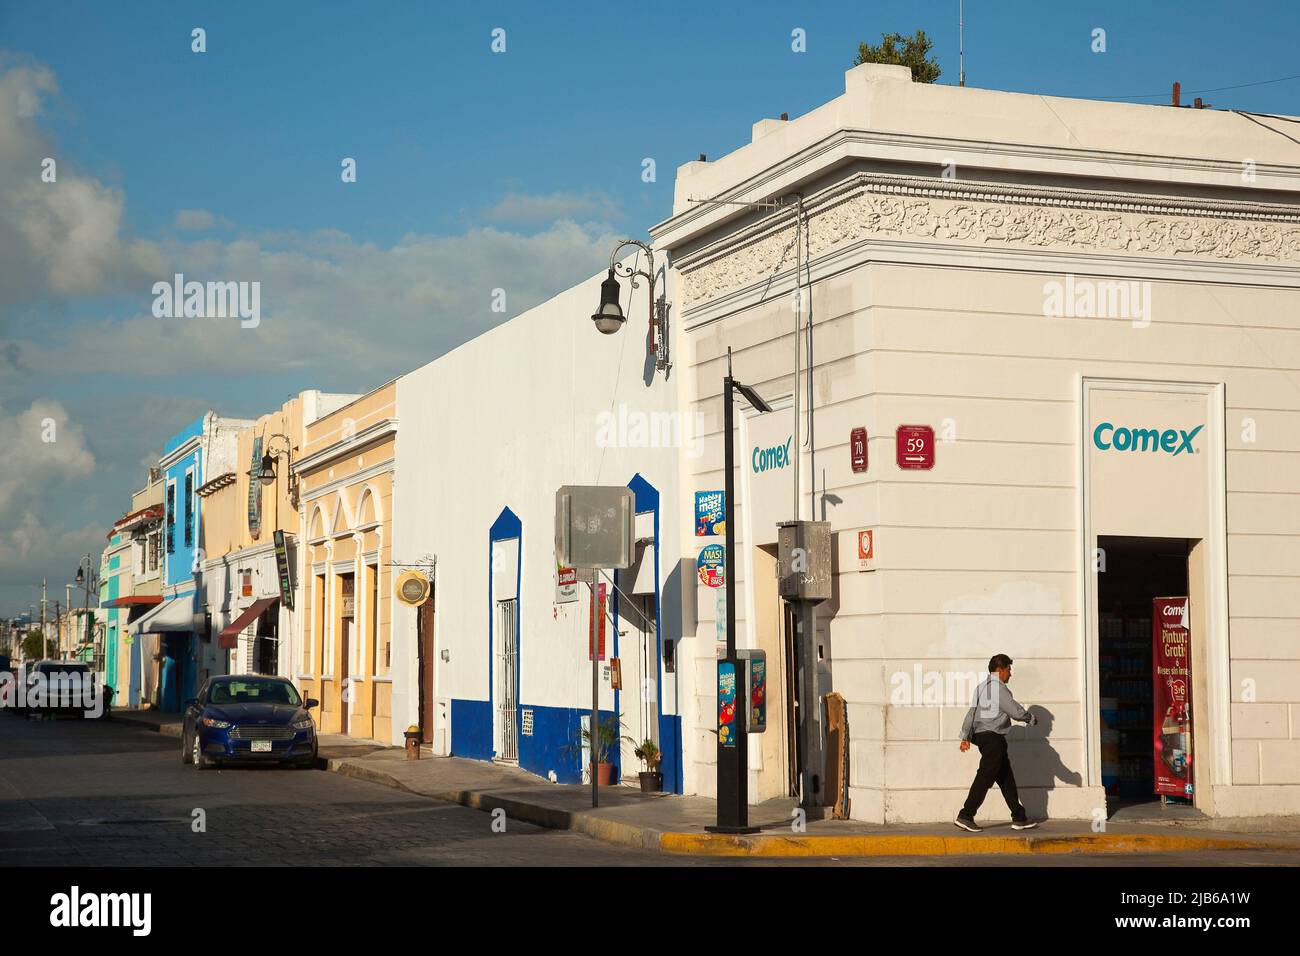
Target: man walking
<point>986,726</point>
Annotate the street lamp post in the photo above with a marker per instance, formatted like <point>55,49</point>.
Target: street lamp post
<point>609,317</point>
<point>87,579</point>
<point>265,473</point>
<point>733,753</point>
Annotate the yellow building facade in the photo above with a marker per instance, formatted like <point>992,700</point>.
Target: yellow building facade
<point>345,479</point>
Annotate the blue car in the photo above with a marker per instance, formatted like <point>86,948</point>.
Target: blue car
<point>248,719</point>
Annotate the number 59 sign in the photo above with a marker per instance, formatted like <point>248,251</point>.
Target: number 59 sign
<point>914,446</point>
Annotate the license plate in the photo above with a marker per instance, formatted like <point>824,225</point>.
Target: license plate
<point>261,746</point>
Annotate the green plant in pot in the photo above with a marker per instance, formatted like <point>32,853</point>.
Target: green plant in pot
<point>607,738</point>
<point>648,752</point>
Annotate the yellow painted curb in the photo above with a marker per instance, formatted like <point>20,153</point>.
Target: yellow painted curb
<point>717,844</point>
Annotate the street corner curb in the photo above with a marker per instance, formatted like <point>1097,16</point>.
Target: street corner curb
<point>933,845</point>
<point>167,730</point>
<point>360,772</point>
<point>551,818</point>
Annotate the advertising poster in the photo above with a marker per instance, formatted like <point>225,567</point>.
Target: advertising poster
<point>1171,645</point>
<point>600,632</point>
<point>709,517</point>
<point>727,703</point>
<point>710,566</point>
<point>758,695</point>
<point>282,569</point>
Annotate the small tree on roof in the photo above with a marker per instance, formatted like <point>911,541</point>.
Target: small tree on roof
<point>912,52</point>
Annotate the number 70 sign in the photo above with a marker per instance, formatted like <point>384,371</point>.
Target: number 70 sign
<point>914,446</point>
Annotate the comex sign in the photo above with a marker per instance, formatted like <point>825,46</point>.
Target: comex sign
<point>1172,441</point>
<point>770,459</point>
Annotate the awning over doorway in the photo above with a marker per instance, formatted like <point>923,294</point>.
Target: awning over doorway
<point>174,615</point>
<point>134,600</point>
<point>230,635</point>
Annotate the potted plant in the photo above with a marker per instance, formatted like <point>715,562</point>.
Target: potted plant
<point>652,779</point>
<point>607,738</point>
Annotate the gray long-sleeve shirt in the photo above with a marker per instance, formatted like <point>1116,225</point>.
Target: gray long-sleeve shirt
<point>993,709</point>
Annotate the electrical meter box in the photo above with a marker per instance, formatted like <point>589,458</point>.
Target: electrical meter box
<point>804,560</point>
<point>754,671</point>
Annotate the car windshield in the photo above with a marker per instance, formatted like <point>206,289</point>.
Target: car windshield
<point>63,669</point>
<point>254,692</point>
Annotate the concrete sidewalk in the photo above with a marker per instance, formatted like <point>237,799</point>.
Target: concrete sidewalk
<point>167,724</point>
<point>674,824</point>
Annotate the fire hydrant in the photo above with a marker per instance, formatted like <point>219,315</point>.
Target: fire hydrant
<point>413,736</point>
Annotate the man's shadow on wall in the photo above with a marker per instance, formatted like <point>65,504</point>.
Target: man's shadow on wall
<point>1036,763</point>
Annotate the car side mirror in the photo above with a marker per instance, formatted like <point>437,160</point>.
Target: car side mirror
<point>311,702</point>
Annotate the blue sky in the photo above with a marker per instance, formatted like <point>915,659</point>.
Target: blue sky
<point>476,170</point>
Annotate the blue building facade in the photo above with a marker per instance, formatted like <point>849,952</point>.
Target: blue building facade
<point>182,468</point>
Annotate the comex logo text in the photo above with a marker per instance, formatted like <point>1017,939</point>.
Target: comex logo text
<point>767,459</point>
<point>75,909</point>
<point>1173,441</point>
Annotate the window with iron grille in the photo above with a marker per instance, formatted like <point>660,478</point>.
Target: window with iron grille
<point>153,551</point>
<point>171,518</point>
<point>189,509</point>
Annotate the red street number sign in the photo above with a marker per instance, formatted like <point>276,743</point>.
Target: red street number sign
<point>915,446</point>
<point>858,449</point>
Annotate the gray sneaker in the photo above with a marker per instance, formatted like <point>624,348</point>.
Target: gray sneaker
<point>966,823</point>
<point>1023,824</point>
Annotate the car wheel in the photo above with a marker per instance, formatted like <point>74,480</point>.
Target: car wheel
<point>197,757</point>
<point>187,756</point>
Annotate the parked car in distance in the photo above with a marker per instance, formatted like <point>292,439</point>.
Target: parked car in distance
<point>248,718</point>
<point>68,686</point>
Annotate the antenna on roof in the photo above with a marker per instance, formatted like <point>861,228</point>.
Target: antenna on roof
<point>961,42</point>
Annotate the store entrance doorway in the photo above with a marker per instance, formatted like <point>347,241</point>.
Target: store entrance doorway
<point>1132,572</point>
<point>639,663</point>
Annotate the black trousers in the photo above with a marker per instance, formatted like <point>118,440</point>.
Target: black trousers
<point>995,767</point>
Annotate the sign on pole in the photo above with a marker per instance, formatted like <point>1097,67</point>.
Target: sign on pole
<point>594,526</point>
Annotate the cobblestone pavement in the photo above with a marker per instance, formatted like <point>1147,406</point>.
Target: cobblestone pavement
<point>76,793</point>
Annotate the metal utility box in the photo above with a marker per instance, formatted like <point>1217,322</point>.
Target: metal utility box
<point>804,560</point>
<point>754,670</point>
<point>595,526</point>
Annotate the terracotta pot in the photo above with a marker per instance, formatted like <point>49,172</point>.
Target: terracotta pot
<point>605,774</point>
<point>652,781</point>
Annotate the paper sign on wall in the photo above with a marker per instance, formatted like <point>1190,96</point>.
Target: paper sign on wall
<point>867,550</point>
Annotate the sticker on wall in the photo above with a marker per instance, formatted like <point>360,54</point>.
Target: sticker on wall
<point>867,549</point>
<point>710,517</point>
<point>710,566</point>
<point>566,585</point>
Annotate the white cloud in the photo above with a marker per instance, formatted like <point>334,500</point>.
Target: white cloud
<point>59,238</point>
<point>327,298</point>
<point>199,220</point>
<point>42,447</point>
<point>520,207</point>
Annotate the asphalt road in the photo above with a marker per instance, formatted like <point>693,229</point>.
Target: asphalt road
<point>92,793</point>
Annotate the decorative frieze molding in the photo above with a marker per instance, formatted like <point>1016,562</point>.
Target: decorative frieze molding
<point>987,215</point>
